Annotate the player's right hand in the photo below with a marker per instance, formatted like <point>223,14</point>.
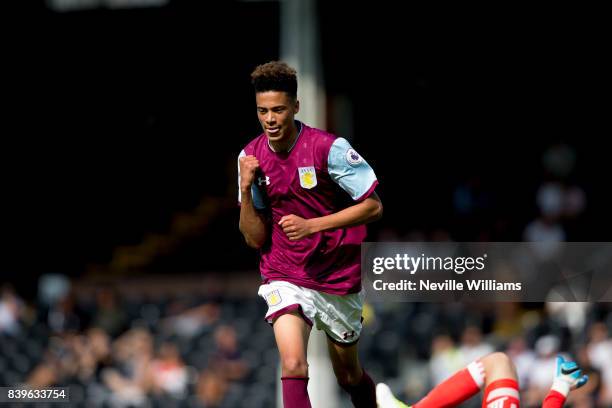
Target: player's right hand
<point>248,167</point>
<point>568,376</point>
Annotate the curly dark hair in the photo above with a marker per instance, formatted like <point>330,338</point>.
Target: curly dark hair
<point>275,76</point>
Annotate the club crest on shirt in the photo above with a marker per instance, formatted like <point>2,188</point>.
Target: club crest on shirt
<point>273,298</point>
<point>353,158</point>
<point>308,176</point>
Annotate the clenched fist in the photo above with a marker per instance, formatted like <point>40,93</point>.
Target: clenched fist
<point>295,227</point>
<point>248,167</point>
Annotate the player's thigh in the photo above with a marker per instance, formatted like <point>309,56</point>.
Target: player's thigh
<point>291,332</point>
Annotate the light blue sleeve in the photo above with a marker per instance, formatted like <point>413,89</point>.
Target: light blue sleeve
<point>258,201</point>
<point>347,168</point>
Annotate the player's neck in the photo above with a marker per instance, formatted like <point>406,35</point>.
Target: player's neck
<point>283,146</point>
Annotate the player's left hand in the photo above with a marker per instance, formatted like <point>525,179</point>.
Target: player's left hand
<point>295,227</point>
<point>568,376</point>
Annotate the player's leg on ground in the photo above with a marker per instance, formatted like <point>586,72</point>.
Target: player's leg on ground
<point>351,377</point>
<point>456,389</point>
<point>291,333</point>
<point>502,388</point>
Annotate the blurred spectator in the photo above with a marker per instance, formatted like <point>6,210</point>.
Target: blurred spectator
<point>510,320</point>
<point>44,375</point>
<point>561,201</point>
<point>540,378</point>
<point>131,381</point>
<point>59,364</point>
<point>94,354</point>
<point>211,389</point>
<point>472,345</point>
<point>11,311</point>
<point>169,372</point>
<point>599,350</point>
<point>52,288</point>
<point>570,315</point>
<point>124,393</point>
<point>227,360</point>
<point>522,357</point>
<point>550,200</point>
<point>189,322</point>
<point>546,228</point>
<point>109,315</point>
<point>548,232</point>
<point>226,365</point>
<point>65,316</point>
<point>445,358</point>
<point>72,356</point>
<point>586,396</point>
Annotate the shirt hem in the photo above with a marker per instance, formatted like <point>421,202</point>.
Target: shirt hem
<point>320,287</point>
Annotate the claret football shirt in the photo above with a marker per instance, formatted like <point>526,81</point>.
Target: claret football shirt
<point>319,175</point>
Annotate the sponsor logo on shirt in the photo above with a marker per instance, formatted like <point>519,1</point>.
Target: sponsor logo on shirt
<point>273,298</point>
<point>308,177</point>
<point>353,158</point>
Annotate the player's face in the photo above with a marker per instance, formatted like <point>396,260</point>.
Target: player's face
<point>276,112</point>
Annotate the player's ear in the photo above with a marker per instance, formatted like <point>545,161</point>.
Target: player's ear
<point>297,106</point>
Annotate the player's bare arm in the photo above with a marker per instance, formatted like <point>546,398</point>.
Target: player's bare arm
<point>367,211</point>
<point>252,223</point>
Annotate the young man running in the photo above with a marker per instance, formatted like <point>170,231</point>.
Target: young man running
<point>305,197</point>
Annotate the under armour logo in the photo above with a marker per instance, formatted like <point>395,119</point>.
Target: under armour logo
<point>262,180</point>
<point>348,335</point>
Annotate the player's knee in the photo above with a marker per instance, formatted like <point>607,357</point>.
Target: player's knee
<point>497,359</point>
<point>294,367</point>
<point>498,363</point>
